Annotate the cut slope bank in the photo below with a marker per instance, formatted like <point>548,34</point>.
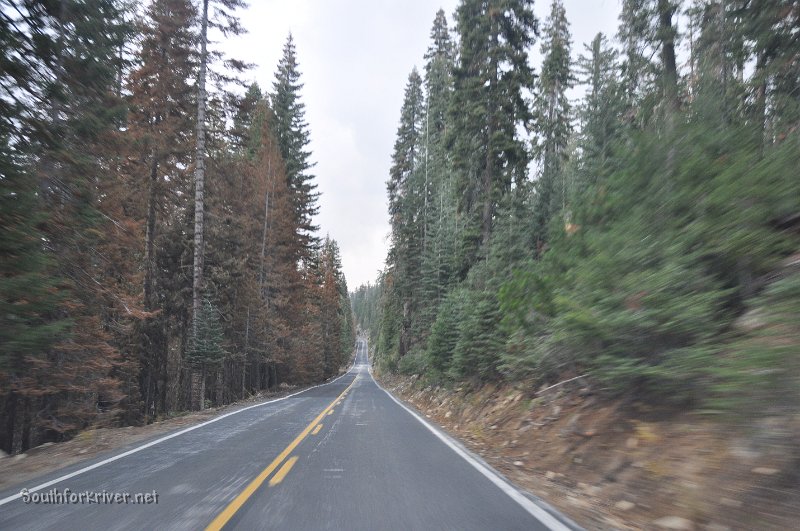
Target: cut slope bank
<point>621,464</point>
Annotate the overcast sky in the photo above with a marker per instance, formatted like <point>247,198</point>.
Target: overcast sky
<point>355,57</point>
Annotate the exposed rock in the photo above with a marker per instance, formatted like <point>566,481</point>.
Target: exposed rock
<point>624,505</point>
<point>632,443</point>
<point>764,471</point>
<point>727,502</point>
<point>572,427</point>
<point>550,474</point>
<point>646,432</point>
<point>613,523</point>
<point>615,466</point>
<point>593,490</point>
<point>674,522</point>
<point>577,502</point>
<point>519,463</point>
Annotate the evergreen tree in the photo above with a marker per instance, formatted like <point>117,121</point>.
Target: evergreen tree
<point>160,122</point>
<point>474,354</point>
<point>291,131</point>
<point>635,37</point>
<point>439,205</point>
<point>205,350</point>
<point>27,296</point>
<point>487,108</point>
<point>600,113</point>
<point>243,133</point>
<point>771,28</point>
<point>206,347</point>
<point>406,187</point>
<point>553,116</point>
<point>717,60</point>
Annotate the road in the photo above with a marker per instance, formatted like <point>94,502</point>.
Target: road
<point>344,455</point>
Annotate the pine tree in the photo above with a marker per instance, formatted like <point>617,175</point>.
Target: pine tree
<point>717,60</point>
<point>243,134</point>
<point>206,350</point>
<point>554,120</point>
<point>439,206</point>
<point>27,296</point>
<point>771,28</point>
<point>474,354</point>
<point>634,36</point>
<point>600,113</point>
<point>487,108</point>
<point>227,23</point>
<point>406,188</point>
<point>199,179</point>
<point>160,122</point>
<point>77,172</point>
<point>291,131</point>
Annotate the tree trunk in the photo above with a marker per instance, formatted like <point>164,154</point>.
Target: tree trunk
<point>667,37</point>
<point>219,387</point>
<point>199,173</point>
<point>198,387</point>
<point>488,173</point>
<point>760,107</point>
<point>149,347</point>
<point>198,392</point>
<point>246,350</point>
<point>10,414</point>
<point>25,440</point>
<point>150,234</point>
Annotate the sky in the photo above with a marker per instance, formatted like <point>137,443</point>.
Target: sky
<point>355,57</point>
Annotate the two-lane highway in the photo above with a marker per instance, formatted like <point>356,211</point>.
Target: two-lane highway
<point>344,455</point>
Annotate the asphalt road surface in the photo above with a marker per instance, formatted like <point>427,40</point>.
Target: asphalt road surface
<point>345,456</point>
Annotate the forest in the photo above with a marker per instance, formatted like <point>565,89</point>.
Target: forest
<point>642,237</point>
<point>157,245</point>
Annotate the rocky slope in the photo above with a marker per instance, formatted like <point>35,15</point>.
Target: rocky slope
<point>624,465</point>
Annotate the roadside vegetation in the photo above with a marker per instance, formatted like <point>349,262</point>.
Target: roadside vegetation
<point>157,250</point>
<point>643,238</point>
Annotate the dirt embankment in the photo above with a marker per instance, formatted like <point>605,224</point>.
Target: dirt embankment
<point>617,465</point>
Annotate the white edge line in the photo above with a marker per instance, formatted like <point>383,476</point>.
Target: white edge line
<point>158,441</point>
<point>547,519</point>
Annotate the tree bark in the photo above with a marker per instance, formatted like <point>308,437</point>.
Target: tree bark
<point>199,173</point>
<point>199,201</point>
<point>10,414</point>
<point>667,37</point>
<point>150,234</point>
<point>488,171</point>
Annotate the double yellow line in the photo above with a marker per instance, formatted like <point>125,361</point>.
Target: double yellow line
<point>227,513</point>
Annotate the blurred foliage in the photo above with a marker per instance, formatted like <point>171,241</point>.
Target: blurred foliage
<point>657,215</point>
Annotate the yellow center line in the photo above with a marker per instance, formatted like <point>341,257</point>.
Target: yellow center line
<point>316,430</point>
<point>330,412</point>
<point>227,513</point>
<point>281,473</point>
